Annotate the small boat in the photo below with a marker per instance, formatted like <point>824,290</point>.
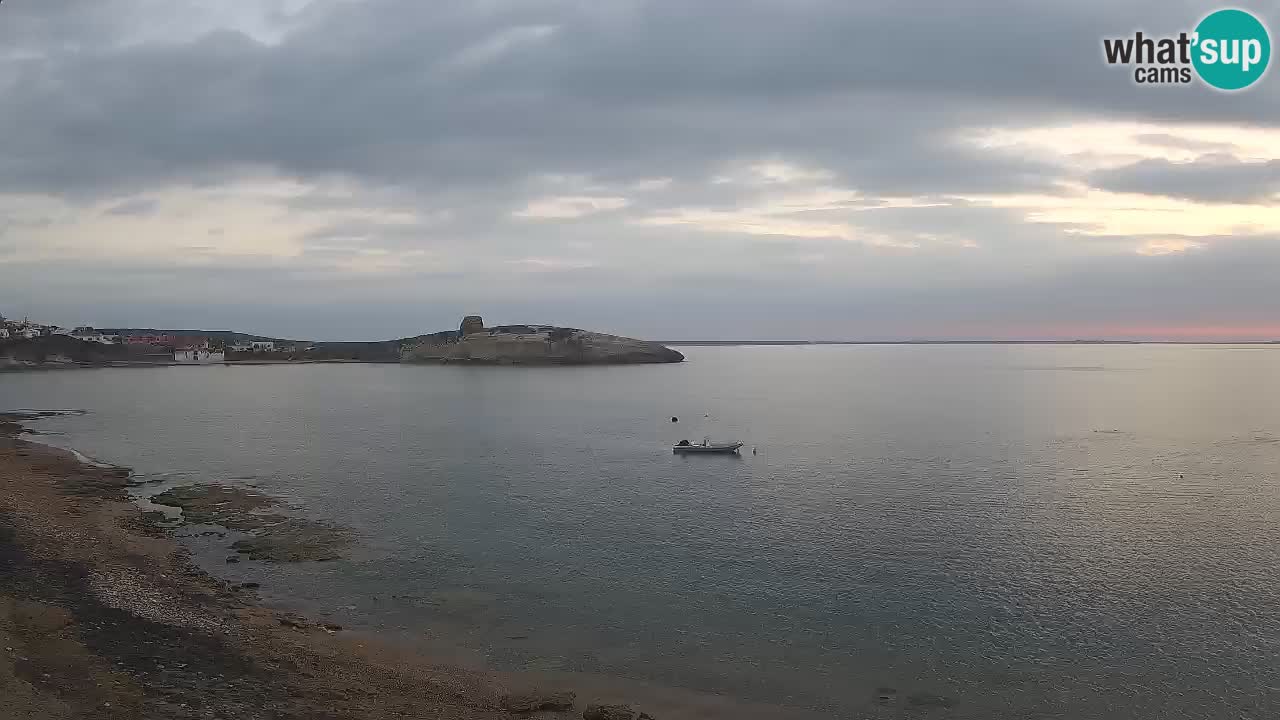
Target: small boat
<point>706,446</point>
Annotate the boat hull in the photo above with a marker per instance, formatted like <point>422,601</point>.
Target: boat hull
<point>721,449</point>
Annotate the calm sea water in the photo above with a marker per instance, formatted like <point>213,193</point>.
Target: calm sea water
<point>993,531</point>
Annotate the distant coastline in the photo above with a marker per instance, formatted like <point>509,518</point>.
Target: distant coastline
<point>731,343</point>
<point>25,345</point>
<point>35,346</point>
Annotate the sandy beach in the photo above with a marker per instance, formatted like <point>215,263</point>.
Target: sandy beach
<point>103,615</point>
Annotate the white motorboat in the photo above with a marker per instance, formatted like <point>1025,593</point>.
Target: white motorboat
<point>706,446</point>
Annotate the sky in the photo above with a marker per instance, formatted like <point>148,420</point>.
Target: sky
<point>720,169</point>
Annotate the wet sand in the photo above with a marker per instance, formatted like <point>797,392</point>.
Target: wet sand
<point>104,615</point>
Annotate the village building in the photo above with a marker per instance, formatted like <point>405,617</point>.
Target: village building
<point>197,355</point>
<point>88,334</point>
<point>169,340</point>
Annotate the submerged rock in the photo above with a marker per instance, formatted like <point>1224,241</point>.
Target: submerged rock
<point>613,712</point>
<point>536,701</point>
<point>929,700</point>
<point>294,540</point>
<point>294,621</point>
<point>273,537</point>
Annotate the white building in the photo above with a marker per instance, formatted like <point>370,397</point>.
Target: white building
<point>29,333</point>
<point>198,355</point>
<point>263,345</point>
<point>88,334</point>
<point>4,333</point>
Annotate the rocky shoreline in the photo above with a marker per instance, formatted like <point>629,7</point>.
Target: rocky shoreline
<point>104,615</point>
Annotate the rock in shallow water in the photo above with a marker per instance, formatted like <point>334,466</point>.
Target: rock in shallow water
<point>534,702</point>
<point>296,622</point>
<point>613,712</point>
<point>929,700</point>
<point>272,537</point>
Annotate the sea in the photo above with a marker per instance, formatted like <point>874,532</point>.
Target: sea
<point>916,531</point>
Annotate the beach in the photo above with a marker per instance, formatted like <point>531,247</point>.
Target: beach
<point>104,615</point>
<point>101,615</point>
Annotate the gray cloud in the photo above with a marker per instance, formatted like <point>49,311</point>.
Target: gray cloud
<point>133,206</point>
<point>617,90</point>
<point>1166,140</point>
<point>1210,178</point>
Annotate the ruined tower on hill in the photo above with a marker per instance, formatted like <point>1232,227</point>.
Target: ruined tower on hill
<point>471,324</point>
<point>533,345</point>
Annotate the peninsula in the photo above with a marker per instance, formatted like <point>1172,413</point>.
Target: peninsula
<point>25,345</point>
<point>533,345</point>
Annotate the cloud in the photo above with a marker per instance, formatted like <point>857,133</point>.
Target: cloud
<point>569,207</point>
<point>1209,179</point>
<point>499,44</point>
<point>566,87</point>
<point>1169,140</point>
<point>134,206</point>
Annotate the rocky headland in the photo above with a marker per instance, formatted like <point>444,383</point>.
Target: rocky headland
<point>533,345</point>
<point>472,342</point>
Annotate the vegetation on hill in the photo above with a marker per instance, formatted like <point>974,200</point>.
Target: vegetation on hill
<point>66,349</point>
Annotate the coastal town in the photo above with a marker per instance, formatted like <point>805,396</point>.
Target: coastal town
<point>152,345</point>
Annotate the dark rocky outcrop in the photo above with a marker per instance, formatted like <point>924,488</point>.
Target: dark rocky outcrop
<point>66,350</point>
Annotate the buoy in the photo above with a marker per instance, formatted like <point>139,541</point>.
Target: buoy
<point>675,419</point>
<point>753,451</point>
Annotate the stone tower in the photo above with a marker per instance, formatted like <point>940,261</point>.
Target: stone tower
<point>471,324</point>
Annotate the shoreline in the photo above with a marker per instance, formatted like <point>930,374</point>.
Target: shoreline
<point>33,367</point>
<point>104,613</point>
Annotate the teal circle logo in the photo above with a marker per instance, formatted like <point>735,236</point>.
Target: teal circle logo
<point>1232,49</point>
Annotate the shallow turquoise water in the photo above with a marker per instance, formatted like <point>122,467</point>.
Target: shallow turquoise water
<point>992,530</point>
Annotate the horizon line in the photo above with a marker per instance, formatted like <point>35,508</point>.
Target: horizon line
<point>978,341</point>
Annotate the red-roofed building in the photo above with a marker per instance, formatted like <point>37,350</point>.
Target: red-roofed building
<point>183,342</point>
